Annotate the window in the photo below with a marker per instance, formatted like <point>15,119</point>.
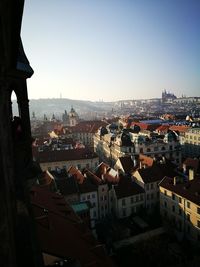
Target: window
<point>94,214</point>
<point>147,186</point>
<point>198,210</point>
<point>173,196</point>
<point>133,209</point>
<point>188,217</point>
<point>148,149</point>
<point>180,200</point>
<point>152,196</point>
<point>79,166</point>
<point>123,202</point>
<point>173,208</point>
<point>88,197</point>
<point>132,200</point>
<point>165,204</point>
<point>137,198</point>
<point>188,204</point>
<point>124,212</point>
<point>180,211</point>
<point>198,223</point>
<point>93,195</point>
<point>151,186</point>
<point>165,192</point>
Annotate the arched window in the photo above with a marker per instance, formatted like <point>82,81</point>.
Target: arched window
<point>14,105</point>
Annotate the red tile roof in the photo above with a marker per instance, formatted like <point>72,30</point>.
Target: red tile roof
<point>84,184</point>
<point>192,163</point>
<point>106,173</point>
<point>145,160</point>
<point>63,155</point>
<point>126,187</point>
<point>156,172</point>
<point>127,164</point>
<point>78,176</point>
<point>162,128</point>
<point>46,179</point>
<point>88,126</point>
<point>145,126</point>
<point>179,128</point>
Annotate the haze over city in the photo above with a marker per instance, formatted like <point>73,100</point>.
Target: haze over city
<point>112,50</point>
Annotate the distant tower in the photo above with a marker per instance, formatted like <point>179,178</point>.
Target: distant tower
<point>33,115</point>
<point>73,117</point>
<point>65,118</point>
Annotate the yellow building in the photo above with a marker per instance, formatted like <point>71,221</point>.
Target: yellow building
<point>192,142</point>
<point>180,206</point>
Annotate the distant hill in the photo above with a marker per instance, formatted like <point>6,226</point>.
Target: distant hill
<point>59,105</point>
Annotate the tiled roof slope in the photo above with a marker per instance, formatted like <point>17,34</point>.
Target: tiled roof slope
<point>127,164</point>
<point>156,173</point>
<point>63,155</point>
<point>88,126</point>
<point>61,232</point>
<point>126,187</point>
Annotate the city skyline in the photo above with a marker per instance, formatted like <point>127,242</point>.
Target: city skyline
<point>112,50</point>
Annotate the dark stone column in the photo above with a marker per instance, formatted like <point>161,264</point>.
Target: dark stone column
<point>7,192</point>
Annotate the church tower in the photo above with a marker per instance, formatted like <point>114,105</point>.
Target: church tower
<point>73,117</point>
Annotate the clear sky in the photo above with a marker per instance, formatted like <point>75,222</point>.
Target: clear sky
<point>112,49</point>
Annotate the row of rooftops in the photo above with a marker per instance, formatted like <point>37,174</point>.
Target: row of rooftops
<point>63,155</point>
<point>189,189</point>
<point>151,170</point>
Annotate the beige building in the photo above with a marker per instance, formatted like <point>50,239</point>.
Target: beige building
<point>148,178</point>
<point>110,146</point>
<point>126,198</point>
<point>180,206</point>
<point>192,142</point>
<point>103,177</point>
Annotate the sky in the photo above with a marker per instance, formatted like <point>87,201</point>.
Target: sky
<point>112,49</point>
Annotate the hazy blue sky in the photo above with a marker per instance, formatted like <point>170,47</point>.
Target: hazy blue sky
<point>112,49</point>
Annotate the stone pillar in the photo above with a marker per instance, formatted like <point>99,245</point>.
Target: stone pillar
<point>7,191</point>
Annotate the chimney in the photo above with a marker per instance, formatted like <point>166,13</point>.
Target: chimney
<point>104,170</point>
<point>140,164</point>
<point>191,174</point>
<point>134,160</point>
